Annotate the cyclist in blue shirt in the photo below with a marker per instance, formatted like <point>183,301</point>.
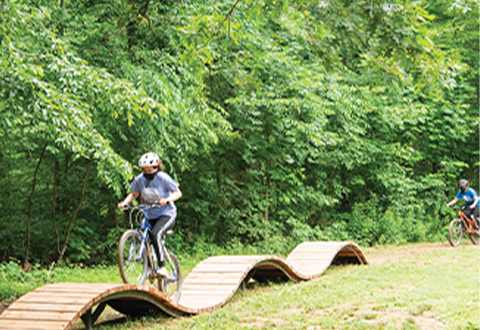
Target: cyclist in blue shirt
<point>470,197</point>
<point>155,186</point>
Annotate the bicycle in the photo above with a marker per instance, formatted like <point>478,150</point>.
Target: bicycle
<point>136,256</point>
<point>461,225</point>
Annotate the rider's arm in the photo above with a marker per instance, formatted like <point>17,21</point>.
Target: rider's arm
<point>475,201</point>
<point>452,202</point>
<point>129,199</point>
<point>174,196</point>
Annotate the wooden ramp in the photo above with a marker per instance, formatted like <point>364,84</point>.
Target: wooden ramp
<point>208,286</point>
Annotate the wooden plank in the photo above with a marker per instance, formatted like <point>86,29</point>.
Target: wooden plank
<point>316,248</point>
<point>56,300</point>
<point>205,298</point>
<point>232,274</point>
<point>38,315</point>
<point>311,255</point>
<point>79,284</point>
<point>222,267</point>
<point>215,277</point>
<point>70,290</point>
<point>325,254</point>
<point>295,262</point>
<point>206,292</point>
<point>202,302</point>
<point>231,261</point>
<point>31,325</point>
<point>208,285</point>
<point>43,307</point>
<point>213,271</point>
<point>213,281</point>
<point>62,293</point>
<point>310,262</point>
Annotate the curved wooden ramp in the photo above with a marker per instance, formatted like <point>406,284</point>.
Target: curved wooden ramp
<point>208,286</point>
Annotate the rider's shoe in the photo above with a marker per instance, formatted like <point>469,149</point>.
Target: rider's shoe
<point>162,271</point>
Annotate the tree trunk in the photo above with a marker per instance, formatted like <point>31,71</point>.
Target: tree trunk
<point>26,264</point>
<point>54,204</point>
<point>74,215</point>
<point>267,202</point>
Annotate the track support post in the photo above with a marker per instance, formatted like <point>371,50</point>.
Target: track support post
<point>90,318</point>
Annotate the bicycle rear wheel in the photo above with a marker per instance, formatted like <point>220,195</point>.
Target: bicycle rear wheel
<point>171,286</point>
<point>455,232</point>
<point>132,262</point>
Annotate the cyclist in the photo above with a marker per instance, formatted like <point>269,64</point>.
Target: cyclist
<point>470,197</point>
<point>155,186</point>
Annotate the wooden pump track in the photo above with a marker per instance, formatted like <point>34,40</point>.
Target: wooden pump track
<point>207,287</point>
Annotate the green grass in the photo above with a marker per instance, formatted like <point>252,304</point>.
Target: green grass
<point>422,286</point>
<point>14,282</point>
<point>429,286</point>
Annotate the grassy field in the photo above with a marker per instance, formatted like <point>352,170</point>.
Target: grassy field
<point>422,286</point>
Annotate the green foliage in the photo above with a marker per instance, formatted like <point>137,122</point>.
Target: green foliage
<point>15,282</point>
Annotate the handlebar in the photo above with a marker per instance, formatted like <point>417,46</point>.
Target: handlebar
<point>142,206</point>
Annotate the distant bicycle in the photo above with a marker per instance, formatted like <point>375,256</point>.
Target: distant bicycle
<point>136,256</point>
<point>463,225</point>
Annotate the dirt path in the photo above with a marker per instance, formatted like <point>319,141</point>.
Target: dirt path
<point>383,254</point>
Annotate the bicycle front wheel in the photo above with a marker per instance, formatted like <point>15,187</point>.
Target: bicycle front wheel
<point>475,238</point>
<point>171,286</point>
<point>455,232</point>
<point>132,261</point>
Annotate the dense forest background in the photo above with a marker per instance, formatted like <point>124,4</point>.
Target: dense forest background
<point>283,121</point>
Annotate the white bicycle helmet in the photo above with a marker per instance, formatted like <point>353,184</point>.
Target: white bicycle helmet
<point>149,159</point>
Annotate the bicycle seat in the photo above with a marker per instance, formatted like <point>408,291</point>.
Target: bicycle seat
<point>169,232</point>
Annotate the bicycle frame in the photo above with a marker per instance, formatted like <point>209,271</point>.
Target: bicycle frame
<point>466,220</point>
<point>144,230</point>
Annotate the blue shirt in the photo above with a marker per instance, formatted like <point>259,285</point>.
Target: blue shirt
<point>161,186</point>
<point>468,196</point>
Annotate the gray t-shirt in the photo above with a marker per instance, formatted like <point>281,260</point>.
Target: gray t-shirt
<point>161,186</point>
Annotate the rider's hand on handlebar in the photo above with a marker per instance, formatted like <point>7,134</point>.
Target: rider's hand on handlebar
<point>122,206</point>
